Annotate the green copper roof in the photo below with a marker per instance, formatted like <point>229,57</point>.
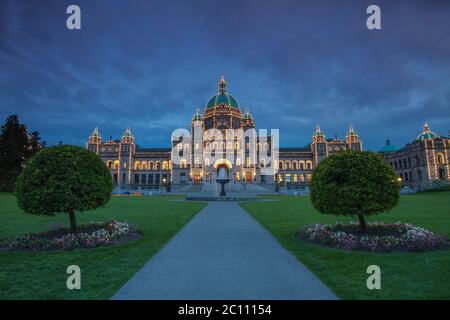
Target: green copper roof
<point>318,132</point>
<point>197,115</point>
<point>427,134</point>
<point>388,147</point>
<point>247,116</point>
<point>95,134</point>
<point>222,97</point>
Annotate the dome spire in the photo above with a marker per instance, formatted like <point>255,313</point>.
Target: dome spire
<point>318,135</point>
<point>95,136</point>
<point>427,134</point>
<point>127,136</point>
<point>222,85</point>
<point>352,136</point>
<point>247,115</point>
<point>197,115</point>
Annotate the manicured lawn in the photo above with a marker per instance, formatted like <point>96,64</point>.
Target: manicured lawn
<point>403,275</point>
<point>104,270</point>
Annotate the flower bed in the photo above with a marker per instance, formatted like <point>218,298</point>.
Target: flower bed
<point>380,237</point>
<point>90,235</point>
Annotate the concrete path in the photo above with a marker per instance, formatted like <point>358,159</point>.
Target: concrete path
<point>223,253</point>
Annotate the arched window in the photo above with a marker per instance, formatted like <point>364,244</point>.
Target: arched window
<point>281,165</point>
<point>206,162</point>
<point>295,165</point>
<point>183,164</point>
<point>302,165</point>
<point>308,165</point>
<point>109,164</point>
<point>157,165</point>
<point>116,165</point>
<point>150,165</point>
<point>288,165</point>
<point>238,161</point>
<point>440,158</point>
<point>137,165</point>
<point>165,165</point>
<point>144,165</point>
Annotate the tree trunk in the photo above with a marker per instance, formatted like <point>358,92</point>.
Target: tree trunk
<point>73,222</point>
<point>362,223</point>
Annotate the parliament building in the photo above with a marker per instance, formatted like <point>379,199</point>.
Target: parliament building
<point>135,168</point>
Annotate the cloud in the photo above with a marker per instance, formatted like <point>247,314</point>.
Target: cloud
<point>148,65</point>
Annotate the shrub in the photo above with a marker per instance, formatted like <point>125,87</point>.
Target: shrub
<point>106,234</point>
<point>63,179</point>
<point>355,184</point>
<point>409,238</point>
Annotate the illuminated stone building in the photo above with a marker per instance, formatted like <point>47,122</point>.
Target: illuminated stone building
<point>421,162</point>
<point>146,168</point>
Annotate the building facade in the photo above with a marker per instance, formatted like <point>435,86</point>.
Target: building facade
<point>422,162</point>
<point>141,168</point>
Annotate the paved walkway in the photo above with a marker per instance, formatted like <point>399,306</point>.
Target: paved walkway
<point>223,253</point>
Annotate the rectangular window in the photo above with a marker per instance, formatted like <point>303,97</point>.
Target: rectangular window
<point>150,179</point>
<point>136,178</point>
<point>156,178</point>
<point>124,177</point>
<point>116,178</point>
<point>144,179</point>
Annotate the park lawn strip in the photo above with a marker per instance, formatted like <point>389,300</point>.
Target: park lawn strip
<point>42,275</point>
<point>421,275</point>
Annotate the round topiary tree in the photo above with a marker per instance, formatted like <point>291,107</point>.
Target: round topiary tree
<point>355,184</point>
<point>63,179</point>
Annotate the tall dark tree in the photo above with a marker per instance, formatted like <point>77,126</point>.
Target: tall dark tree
<point>16,147</point>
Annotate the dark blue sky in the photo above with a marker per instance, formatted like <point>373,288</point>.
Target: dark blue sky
<point>295,64</point>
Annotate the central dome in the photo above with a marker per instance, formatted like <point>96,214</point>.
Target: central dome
<point>222,97</point>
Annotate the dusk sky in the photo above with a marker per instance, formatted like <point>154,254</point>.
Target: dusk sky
<point>294,64</point>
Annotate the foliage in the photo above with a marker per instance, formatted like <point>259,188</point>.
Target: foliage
<point>436,186</point>
<point>106,234</point>
<point>16,146</point>
<point>410,238</point>
<point>355,184</point>
<point>63,179</point>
